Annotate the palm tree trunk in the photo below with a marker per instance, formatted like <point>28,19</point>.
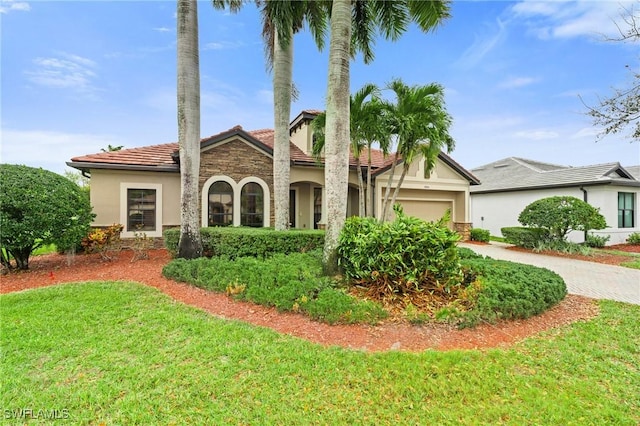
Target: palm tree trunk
<point>190,245</point>
<point>387,191</point>
<point>282,78</point>
<point>361,211</point>
<point>405,169</point>
<point>337,138</point>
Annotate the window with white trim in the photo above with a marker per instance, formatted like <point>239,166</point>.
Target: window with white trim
<point>220,204</point>
<point>626,211</point>
<point>141,209</point>
<point>252,205</point>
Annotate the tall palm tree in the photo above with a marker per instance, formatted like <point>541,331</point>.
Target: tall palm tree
<point>391,18</point>
<point>280,21</point>
<point>190,244</point>
<point>337,135</point>
<point>365,107</point>
<point>420,123</point>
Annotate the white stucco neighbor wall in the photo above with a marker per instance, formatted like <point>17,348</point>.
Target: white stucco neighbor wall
<point>494,211</point>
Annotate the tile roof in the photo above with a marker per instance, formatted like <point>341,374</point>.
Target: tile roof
<point>519,174</point>
<point>160,156</point>
<point>163,157</point>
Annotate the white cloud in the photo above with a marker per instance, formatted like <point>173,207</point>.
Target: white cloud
<point>536,135</point>
<point>265,96</point>
<point>222,45</point>
<point>7,6</point>
<point>515,82</point>
<point>482,45</point>
<point>66,71</point>
<point>567,19</point>
<point>163,29</point>
<point>50,149</point>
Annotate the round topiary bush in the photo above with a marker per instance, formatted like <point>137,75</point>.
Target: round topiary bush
<point>39,207</point>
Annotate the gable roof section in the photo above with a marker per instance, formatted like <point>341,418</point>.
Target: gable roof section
<point>518,174</point>
<point>473,180</point>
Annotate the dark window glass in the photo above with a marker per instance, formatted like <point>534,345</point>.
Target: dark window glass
<point>252,205</point>
<point>141,210</point>
<point>626,211</point>
<point>220,204</point>
<point>317,206</point>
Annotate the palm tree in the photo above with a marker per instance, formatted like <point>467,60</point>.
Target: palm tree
<point>280,21</point>
<point>337,135</point>
<point>392,19</point>
<point>365,107</point>
<point>190,245</point>
<point>420,123</point>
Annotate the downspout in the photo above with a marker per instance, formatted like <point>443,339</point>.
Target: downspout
<point>85,174</point>
<point>585,198</point>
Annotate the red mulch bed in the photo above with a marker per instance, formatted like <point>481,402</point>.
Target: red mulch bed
<point>56,269</point>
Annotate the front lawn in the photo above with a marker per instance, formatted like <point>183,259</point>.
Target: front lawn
<point>122,353</point>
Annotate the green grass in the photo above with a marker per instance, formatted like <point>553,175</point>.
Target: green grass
<point>634,258</point>
<point>122,353</point>
<point>498,239</point>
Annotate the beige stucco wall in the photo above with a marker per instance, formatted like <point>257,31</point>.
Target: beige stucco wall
<point>301,137</point>
<point>105,194</point>
<point>444,186</point>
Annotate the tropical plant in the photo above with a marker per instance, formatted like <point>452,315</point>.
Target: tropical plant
<point>365,129</point>
<point>190,245</point>
<point>39,207</point>
<point>353,27</point>
<point>634,238</point>
<point>560,215</point>
<point>420,124</point>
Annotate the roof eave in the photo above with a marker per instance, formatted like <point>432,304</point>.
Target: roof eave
<point>87,166</point>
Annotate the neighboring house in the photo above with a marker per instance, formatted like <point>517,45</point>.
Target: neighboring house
<point>140,187</point>
<point>510,184</point>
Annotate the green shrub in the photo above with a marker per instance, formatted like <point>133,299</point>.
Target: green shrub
<point>561,215</point>
<point>562,246</point>
<point>511,290</point>
<point>39,207</point>
<point>235,242</point>
<point>597,241</point>
<point>634,238</point>
<point>482,235</point>
<point>524,237</point>
<point>466,253</point>
<point>291,282</point>
<point>405,252</point>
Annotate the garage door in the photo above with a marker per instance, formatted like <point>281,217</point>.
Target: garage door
<point>427,210</point>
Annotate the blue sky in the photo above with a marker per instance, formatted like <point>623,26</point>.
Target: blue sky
<point>78,76</point>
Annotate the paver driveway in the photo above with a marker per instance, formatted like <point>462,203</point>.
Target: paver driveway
<point>584,278</point>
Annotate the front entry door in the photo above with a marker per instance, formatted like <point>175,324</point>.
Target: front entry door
<point>292,208</point>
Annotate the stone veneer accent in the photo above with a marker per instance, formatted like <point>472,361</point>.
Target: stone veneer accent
<point>238,160</point>
<point>464,229</point>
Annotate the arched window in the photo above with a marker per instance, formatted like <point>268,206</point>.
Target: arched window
<point>220,204</point>
<point>252,205</point>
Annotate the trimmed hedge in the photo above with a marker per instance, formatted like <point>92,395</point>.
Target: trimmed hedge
<point>525,237</point>
<point>511,290</point>
<point>233,242</point>
<point>479,234</point>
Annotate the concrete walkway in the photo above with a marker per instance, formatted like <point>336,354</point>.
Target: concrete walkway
<point>589,279</point>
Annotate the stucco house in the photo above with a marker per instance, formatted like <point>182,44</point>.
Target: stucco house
<point>140,187</point>
<point>510,184</point>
